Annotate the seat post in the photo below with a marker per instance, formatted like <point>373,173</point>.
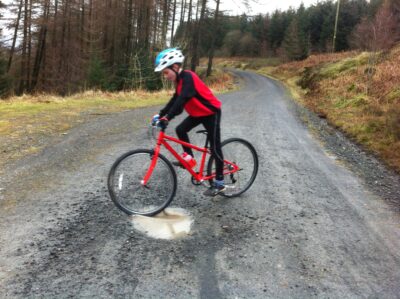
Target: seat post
<point>207,141</point>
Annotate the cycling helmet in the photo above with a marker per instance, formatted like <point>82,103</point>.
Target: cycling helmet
<point>167,58</point>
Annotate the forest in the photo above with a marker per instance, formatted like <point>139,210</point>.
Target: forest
<point>68,46</point>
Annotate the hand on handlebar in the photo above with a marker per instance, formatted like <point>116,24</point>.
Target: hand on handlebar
<point>163,123</point>
<point>155,119</point>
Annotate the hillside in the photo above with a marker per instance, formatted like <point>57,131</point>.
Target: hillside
<point>357,92</point>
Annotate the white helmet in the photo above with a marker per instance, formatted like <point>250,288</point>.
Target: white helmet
<point>167,58</point>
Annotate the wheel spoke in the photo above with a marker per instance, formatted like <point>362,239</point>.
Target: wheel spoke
<point>242,154</point>
<point>127,191</point>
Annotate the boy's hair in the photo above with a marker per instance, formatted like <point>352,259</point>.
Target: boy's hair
<point>178,64</point>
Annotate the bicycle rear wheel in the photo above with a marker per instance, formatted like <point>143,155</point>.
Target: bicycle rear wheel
<point>126,190</point>
<point>243,154</point>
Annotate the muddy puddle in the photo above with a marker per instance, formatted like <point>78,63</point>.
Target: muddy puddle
<point>172,223</point>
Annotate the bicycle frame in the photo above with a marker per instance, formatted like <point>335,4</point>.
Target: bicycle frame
<point>163,139</point>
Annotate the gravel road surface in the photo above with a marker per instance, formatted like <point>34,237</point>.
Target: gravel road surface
<point>321,220</point>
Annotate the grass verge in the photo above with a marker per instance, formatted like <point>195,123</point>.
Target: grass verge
<point>358,93</point>
<point>27,122</point>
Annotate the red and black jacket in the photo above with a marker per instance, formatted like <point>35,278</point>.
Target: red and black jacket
<point>192,95</point>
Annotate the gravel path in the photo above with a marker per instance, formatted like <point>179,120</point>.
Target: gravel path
<point>321,220</point>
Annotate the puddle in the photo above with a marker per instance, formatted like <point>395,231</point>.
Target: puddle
<point>172,223</point>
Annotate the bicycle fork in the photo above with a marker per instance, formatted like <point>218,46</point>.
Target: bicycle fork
<point>152,166</point>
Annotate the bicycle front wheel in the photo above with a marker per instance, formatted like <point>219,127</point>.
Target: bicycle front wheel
<point>126,190</point>
<point>243,154</point>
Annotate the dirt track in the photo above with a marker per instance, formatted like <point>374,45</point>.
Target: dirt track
<point>320,221</point>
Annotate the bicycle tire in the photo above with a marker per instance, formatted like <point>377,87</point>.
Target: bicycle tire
<point>243,154</point>
<point>126,190</point>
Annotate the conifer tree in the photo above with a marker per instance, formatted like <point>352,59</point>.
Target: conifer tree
<point>295,42</point>
<point>64,46</point>
<point>1,15</point>
<point>5,80</point>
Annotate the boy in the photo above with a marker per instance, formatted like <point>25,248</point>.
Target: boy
<point>199,102</point>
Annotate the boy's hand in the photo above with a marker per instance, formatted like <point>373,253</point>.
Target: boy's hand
<point>155,119</point>
<point>163,123</point>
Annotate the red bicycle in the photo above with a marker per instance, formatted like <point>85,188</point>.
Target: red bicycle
<point>144,182</point>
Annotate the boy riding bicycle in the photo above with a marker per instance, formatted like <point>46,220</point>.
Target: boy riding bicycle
<point>203,107</point>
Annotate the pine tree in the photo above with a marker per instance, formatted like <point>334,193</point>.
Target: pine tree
<point>5,80</point>
<point>64,46</point>
<point>213,40</point>
<point>96,75</point>
<point>279,24</point>
<point>259,31</point>
<point>1,7</point>
<point>295,42</point>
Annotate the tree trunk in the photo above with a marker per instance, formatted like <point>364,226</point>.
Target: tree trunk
<point>147,29</point>
<point>130,30</point>
<point>173,23</point>
<point>15,36</point>
<point>165,23</point>
<point>189,12</point>
<point>23,81</point>
<point>90,28</point>
<point>107,11</point>
<point>28,63</point>
<point>82,26</point>
<point>41,46</point>
<point>183,12</point>
<point>212,47</point>
<point>188,30</point>
<point>155,28</point>
<point>114,37</point>
<point>53,38</point>
<point>195,53</point>
<point>63,30</point>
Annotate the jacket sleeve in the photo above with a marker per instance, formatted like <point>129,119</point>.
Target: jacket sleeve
<point>164,111</point>
<point>188,92</point>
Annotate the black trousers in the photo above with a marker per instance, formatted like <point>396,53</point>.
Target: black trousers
<point>212,125</point>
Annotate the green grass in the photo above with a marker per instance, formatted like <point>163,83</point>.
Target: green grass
<point>332,70</point>
<point>394,95</point>
<point>356,101</point>
<point>26,120</point>
<point>336,87</point>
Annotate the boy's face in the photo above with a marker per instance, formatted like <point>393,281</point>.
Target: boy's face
<point>169,74</point>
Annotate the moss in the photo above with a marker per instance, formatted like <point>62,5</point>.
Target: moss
<point>356,101</point>
<point>332,70</point>
<point>312,75</point>
<point>337,90</point>
<point>394,96</point>
<point>352,87</point>
<point>393,122</point>
<point>372,126</point>
<point>309,78</point>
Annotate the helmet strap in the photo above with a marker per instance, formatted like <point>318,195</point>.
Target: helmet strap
<point>176,73</point>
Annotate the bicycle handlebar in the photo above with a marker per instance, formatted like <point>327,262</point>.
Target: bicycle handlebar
<point>156,126</point>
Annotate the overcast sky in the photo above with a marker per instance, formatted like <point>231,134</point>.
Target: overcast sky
<point>261,6</point>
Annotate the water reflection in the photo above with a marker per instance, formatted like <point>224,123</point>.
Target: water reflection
<point>172,223</point>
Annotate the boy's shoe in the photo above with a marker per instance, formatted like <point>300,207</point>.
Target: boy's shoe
<point>214,190</point>
<point>188,158</point>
